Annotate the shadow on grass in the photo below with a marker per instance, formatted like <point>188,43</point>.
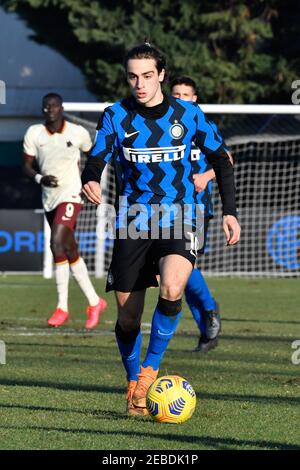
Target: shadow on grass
<point>100,414</point>
<point>69,359</point>
<point>100,389</point>
<point>53,345</point>
<point>68,387</point>
<point>246,335</point>
<point>231,356</point>
<point>282,322</point>
<point>208,441</point>
<point>267,400</point>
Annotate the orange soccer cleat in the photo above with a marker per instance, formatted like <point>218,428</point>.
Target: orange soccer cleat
<point>94,314</point>
<point>58,318</point>
<point>133,410</point>
<point>146,378</point>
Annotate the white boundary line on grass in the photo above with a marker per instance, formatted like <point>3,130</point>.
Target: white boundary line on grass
<point>23,331</point>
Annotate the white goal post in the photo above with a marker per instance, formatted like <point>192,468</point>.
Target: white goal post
<point>265,140</point>
<point>206,108</point>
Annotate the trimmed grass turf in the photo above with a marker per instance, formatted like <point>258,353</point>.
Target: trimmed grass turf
<point>64,389</point>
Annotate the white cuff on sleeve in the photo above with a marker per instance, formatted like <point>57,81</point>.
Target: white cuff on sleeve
<point>38,178</point>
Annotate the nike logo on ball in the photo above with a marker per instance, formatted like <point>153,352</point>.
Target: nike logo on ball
<point>131,134</point>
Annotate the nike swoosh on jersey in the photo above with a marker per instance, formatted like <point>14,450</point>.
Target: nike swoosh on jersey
<point>131,134</point>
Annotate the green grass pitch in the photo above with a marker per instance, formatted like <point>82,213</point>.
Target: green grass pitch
<point>65,388</point>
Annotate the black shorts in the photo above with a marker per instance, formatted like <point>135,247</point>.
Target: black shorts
<point>134,263</point>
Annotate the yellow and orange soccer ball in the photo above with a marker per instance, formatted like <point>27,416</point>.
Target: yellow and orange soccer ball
<point>171,399</point>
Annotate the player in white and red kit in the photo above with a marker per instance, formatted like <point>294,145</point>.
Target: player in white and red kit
<point>56,146</point>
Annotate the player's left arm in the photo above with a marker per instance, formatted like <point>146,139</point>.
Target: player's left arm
<point>201,180</point>
<point>100,154</point>
<point>213,146</point>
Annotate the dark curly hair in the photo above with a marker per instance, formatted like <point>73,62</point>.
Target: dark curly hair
<point>146,51</point>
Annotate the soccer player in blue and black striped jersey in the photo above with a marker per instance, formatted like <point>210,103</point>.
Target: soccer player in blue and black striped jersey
<point>152,135</point>
<point>203,306</point>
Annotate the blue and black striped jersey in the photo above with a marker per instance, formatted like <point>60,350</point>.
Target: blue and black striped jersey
<point>154,152</point>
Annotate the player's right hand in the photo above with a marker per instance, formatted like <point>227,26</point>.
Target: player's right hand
<point>92,191</point>
<point>49,181</point>
<point>232,229</point>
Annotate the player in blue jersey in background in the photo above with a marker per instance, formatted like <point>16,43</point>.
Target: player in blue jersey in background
<point>153,134</point>
<point>203,306</point>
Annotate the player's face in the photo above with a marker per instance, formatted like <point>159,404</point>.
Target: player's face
<point>52,109</point>
<point>184,92</point>
<point>145,81</point>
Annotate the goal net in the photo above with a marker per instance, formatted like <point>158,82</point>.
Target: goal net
<point>266,148</point>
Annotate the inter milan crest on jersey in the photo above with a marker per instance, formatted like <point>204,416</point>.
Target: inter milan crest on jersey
<point>176,131</point>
